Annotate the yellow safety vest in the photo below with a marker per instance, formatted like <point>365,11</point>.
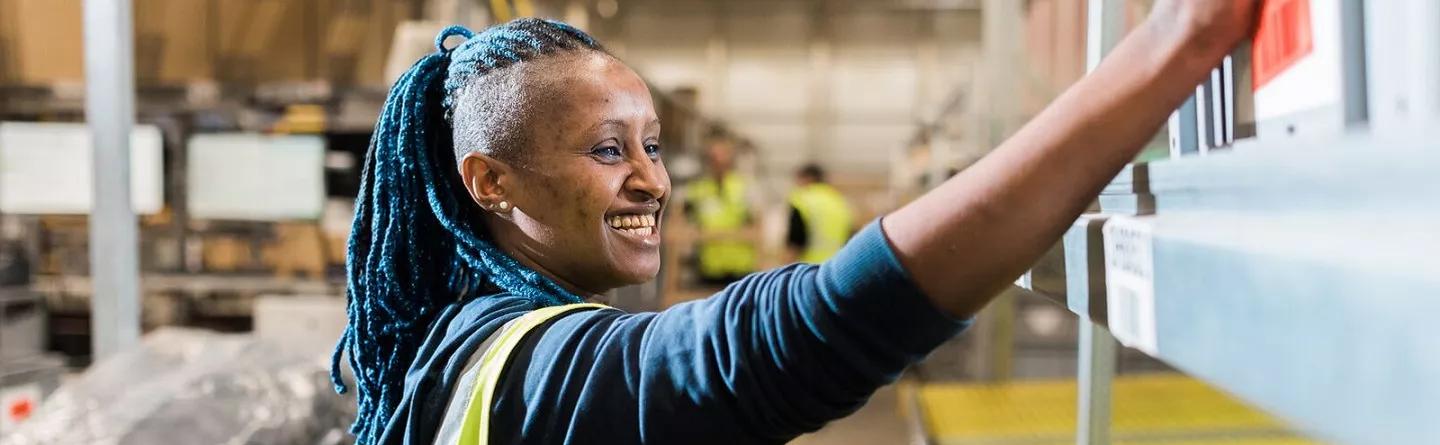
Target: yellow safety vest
<point>827,219</point>
<point>719,208</point>
<point>475,426</point>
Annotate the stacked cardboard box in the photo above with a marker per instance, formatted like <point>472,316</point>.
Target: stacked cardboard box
<point>183,41</point>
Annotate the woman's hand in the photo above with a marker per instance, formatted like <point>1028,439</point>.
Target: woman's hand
<point>1204,29</point>
<point>970,237</point>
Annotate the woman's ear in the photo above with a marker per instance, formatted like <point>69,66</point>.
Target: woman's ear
<point>485,178</point>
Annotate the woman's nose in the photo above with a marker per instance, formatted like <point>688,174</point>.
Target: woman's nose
<point>647,179</point>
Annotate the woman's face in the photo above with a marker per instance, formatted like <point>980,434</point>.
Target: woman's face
<point>589,191</point>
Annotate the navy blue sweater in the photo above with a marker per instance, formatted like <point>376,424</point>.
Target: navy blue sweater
<point>773,356</point>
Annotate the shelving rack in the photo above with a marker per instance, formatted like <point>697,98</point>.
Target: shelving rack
<point>1296,273</point>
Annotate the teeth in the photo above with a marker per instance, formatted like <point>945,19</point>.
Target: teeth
<point>639,224</point>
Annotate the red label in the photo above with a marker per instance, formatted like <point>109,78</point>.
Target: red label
<point>20,410</point>
<point>1282,39</point>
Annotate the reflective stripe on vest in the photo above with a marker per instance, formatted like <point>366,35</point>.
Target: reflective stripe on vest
<point>827,219</point>
<point>475,428</point>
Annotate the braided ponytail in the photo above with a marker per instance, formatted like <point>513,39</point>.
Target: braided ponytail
<point>416,244</point>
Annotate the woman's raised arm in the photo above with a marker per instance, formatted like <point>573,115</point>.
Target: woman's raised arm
<point>967,239</point>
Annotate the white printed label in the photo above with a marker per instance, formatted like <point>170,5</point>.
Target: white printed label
<point>1314,80</point>
<point>1130,281</point>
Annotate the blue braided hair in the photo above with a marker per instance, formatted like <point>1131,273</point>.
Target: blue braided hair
<point>417,243</point>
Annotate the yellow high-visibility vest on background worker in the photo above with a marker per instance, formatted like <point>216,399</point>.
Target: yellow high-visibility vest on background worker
<point>827,220</point>
<point>721,207</point>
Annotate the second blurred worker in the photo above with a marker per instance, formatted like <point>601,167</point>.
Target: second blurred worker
<point>719,205</point>
<point>820,219</point>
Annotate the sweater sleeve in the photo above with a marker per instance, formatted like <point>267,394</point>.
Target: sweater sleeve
<point>772,356</point>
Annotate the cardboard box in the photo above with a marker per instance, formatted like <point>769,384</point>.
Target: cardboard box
<point>343,41</point>
<point>298,249</point>
<point>184,41</point>
<point>264,40</point>
<point>223,253</point>
<point>45,41</point>
<point>42,41</point>
<point>355,41</point>
<point>7,32</point>
<point>172,42</point>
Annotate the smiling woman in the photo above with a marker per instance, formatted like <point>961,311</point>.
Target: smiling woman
<point>517,175</point>
<point>588,159</point>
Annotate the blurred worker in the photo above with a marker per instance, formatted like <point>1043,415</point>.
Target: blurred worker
<point>718,204</point>
<point>820,219</point>
<point>516,179</point>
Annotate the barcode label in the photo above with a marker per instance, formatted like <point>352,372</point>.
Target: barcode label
<point>1283,37</point>
<point>1130,281</point>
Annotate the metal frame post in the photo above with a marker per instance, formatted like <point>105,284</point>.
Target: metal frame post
<point>1098,352</point>
<point>110,112</point>
<point>1002,42</point>
<point>1105,25</point>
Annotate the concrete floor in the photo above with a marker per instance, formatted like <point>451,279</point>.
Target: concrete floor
<point>878,423</point>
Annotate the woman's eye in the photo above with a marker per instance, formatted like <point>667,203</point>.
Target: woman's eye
<point>653,150</point>
<point>607,152</point>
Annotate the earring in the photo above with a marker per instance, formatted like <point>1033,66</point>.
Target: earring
<point>504,206</point>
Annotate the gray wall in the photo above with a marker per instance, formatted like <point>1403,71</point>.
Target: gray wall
<point>843,83</point>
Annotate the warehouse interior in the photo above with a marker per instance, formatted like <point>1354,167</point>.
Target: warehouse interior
<point>1261,274</point>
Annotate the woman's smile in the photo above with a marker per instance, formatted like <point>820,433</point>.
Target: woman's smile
<point>639,225</point>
